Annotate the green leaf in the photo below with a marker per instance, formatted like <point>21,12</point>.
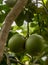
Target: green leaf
<point>3,12</point>
<point>32,24</point>
<point>44,1</point>
<point>1,1</point>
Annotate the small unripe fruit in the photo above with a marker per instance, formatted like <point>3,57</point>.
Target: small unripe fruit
<point>16,43</point>
<point>34,44</point>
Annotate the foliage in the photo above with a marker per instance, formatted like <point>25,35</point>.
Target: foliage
<point>33,19</point>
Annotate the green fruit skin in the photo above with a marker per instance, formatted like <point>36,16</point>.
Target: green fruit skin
<point>34,44</point>
<point>16,43</point>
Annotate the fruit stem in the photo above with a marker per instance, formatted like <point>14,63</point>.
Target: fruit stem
<point>39,23</point>
<point>27,29</point>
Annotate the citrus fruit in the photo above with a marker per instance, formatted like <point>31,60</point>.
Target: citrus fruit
<point>34,44</point>
<point>16,43</point>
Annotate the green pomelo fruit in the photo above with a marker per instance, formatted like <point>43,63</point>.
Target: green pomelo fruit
<point>34,44</point>
<point>16,43</point>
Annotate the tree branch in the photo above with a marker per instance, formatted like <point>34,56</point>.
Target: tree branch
<point>13,14</point>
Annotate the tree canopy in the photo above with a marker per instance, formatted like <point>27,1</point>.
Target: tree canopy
<point>33,19</point>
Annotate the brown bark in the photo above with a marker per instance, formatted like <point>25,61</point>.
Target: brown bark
<point>13,14</point>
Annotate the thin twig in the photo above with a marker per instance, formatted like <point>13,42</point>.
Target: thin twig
<point>38,57</point>
<point>16,61</point>
<point>27,29</point>
<point>6,54</point>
